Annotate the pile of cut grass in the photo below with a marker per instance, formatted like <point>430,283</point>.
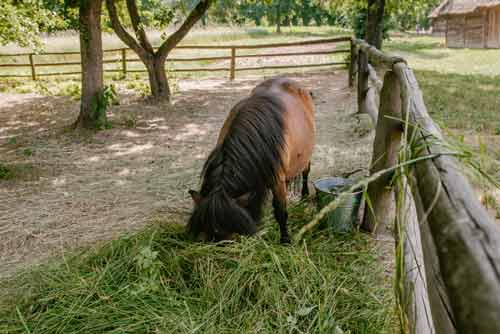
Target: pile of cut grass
<point>159,282</point>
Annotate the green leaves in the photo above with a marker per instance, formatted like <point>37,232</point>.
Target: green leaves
<point>20,23</point>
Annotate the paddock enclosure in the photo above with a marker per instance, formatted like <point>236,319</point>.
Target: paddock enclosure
<point>76,190</point>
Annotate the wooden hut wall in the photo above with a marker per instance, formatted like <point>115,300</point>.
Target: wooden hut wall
<point>474,30</point>
<point>455,37</point>
<point>439,26</point>
<point>493,31</point>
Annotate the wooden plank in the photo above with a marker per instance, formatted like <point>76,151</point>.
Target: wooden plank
<point>210,47</point>
<point>376,56</point>
<point>271,45</point>
<point>213,69</point>
<point>385,155</point>
<point>415,298</point>
<point>442,313</point>
<point>32,65</point>
<point>15,75</point>
<point>362,81</point>
<point>124,62</point>
<point>15,65</point>
<point>53,74</point>
<point>59,64</point>
<point>353,64</point>
<point>293,54</point>
<point>232,65</point>
<point>137,60</point>
<point>466,238</point>
<point>289,66</point>
<point>485,28</point>
<point>374,79</point>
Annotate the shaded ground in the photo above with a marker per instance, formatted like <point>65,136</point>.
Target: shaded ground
<point>73,190</point>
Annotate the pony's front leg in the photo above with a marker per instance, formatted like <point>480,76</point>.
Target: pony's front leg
<point>280,212</point>
<point>305,181</point>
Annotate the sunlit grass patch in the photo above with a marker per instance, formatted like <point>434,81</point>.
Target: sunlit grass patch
<point>462,101</point>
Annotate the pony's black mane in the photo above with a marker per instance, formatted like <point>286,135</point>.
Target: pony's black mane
<point>247,161</point>
<point>249,158</point>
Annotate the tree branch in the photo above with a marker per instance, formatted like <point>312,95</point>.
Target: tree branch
<point>177,36</point>
<point>138,27</point>
<point>122,33</point>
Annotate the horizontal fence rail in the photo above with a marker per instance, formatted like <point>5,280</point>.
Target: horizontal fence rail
<point>122,61</point>
<point>449,245</point>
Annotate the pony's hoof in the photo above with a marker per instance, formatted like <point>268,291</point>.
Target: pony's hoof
<point>285,240</point>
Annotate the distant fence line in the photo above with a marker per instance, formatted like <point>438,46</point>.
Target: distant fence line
<point>232,56</point>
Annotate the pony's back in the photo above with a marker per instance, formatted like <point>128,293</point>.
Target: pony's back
<point>265,140</point>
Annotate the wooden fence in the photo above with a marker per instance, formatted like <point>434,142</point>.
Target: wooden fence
<point>232,56</point>
<point>449,244</point>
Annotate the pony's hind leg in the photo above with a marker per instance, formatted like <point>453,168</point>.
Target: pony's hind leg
<point>305,180</point>
<point>280,212</point>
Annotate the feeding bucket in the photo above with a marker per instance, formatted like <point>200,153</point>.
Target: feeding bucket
<point>342,219</point>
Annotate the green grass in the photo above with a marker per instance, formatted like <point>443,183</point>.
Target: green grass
<point>461,89</point>
<point>430,54</point>
<point>159,282</point>
<point>461,86</point>
<point>462,101</point>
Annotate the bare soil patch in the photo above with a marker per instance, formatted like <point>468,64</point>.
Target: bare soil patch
<point>90,187</point>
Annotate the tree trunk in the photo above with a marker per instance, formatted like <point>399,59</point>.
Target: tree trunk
<point>91,115</point>
<point>375,23</point>
<point>160,90</point>
<point>278,17</point>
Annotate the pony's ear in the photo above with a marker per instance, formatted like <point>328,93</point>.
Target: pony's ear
<point>243,200</point>
<point>195,196</point>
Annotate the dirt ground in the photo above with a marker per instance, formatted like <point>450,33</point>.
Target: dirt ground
<point>76,189</point>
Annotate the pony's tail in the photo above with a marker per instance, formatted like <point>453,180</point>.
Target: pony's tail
<point>218,216</point>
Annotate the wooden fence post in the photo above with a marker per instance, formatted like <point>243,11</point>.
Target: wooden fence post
<point>415,297</point>
<point>385,155</point>
<point>354,64</point>
<point>363,75</point>
<point>124,62</point>
<point>466,238</point>
<point>232,71</point>
<point>32,64</point>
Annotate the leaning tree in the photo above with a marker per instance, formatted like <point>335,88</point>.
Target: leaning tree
<point>154,60</point>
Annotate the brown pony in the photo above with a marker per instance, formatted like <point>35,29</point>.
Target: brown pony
<point>266,141</point>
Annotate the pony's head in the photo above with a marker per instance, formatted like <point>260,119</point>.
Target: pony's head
<point>218,216</point>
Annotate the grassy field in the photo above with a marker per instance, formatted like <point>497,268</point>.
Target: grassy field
<point>461,89</point>
<point>461,86</point>
<point>159,282</point>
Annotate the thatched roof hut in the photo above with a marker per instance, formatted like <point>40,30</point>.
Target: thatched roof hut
<point>468,23</point>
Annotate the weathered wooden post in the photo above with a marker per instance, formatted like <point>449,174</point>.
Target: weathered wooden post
<point>385,155</point>
<point>354,64</point>
<point>363,75</point>
<point>124,62</point>
<point>467,241</point>
<point>232,70</point>
<point>32,64</point>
